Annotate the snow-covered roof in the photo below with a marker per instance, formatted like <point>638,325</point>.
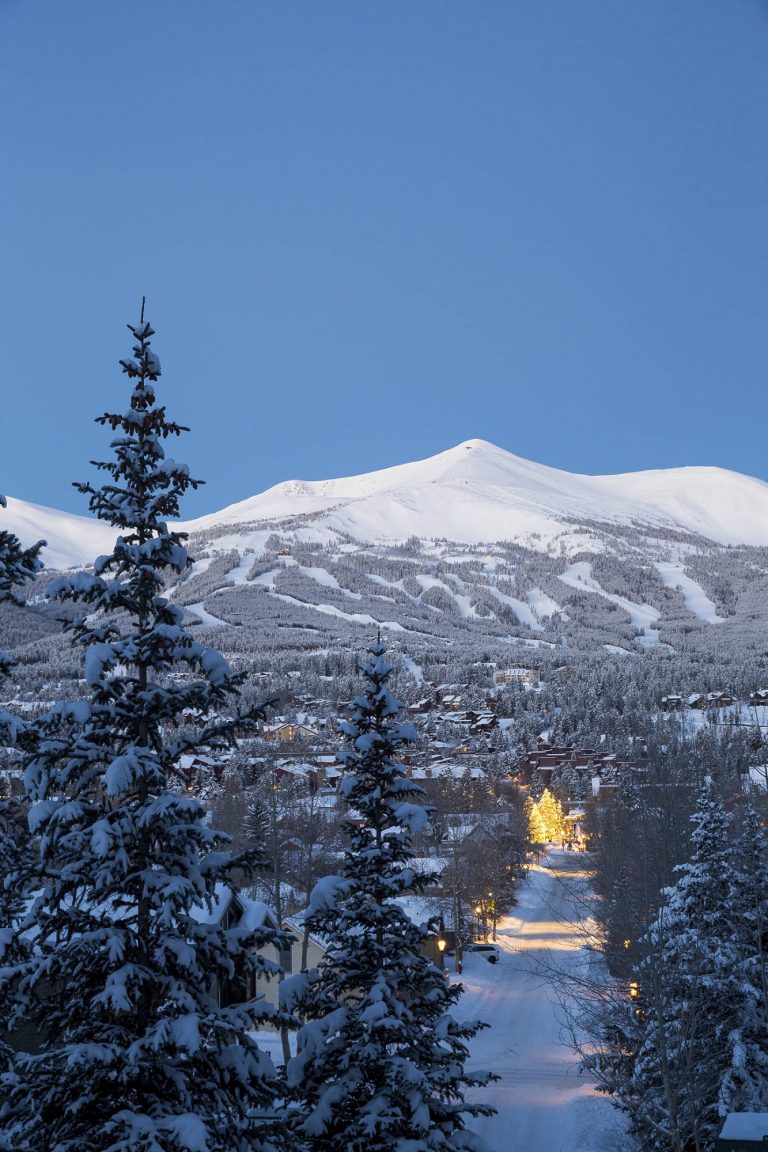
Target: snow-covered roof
<point>222,899</point>
<point>253,913</point>
<point>256,914</point>
<point>446,769</point>
<point>745,1126</point>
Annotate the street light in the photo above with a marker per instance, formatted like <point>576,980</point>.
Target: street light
<point>441,942</point>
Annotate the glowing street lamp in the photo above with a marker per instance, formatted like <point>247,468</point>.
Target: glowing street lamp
<point>441,943</point>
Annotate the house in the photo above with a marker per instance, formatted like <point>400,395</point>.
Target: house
<point>421,707</point>
<point>233,909</point>
<point>469,828</point>
<point>196,769</point>
<point>759,697</point>
<point>446,770</point>
<point>518,673</point>
<point>286,732</point>
<point>700,701</point>
<point>481,720</point>
<point>421,910</point>
<point>306,948</point>
<point>447,697</point>
<point>672,703</point>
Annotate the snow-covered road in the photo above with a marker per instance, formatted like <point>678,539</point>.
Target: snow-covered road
<point>544,1104</point>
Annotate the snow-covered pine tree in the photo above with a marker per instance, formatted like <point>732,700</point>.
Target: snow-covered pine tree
<point>137,1052</point>
<point>691,995</point>
<point>380,1061</point>
<point>17,566</point>
<point>744,1083</point>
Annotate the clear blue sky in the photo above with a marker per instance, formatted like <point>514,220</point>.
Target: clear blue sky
<point>370,229</point>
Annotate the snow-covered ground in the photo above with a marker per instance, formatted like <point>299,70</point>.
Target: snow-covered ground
<point>544,1104</point>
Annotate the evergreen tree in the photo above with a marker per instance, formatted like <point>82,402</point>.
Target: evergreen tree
<point>744,1083</point>
<point>128,973</point>
<point>691,995</point>
<point>380,1062</point>
<point>17,566</point>
<point>545,818</point>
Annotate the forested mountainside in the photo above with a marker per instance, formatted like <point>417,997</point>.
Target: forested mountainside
<point>660,575</point>
<point>457,613</point>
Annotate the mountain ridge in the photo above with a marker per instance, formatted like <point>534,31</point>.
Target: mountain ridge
<point>471,493</point>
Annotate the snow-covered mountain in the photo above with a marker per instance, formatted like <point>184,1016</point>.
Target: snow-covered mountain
<point>70,540</point>
<point>472,493</point>
<point>477,492</point>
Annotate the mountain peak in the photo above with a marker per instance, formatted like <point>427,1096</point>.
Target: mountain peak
<point>474,493</point>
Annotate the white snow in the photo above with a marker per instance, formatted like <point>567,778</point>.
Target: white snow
<point>477,492</point>
<point>351,617</point>
<point>642,616</point>
<point>524,612</point>
<point>746,1126</point>
<point>696,599</point>
<point>472,493</point>
<point>206,618</point>
<point>543,606</point>
<point>72,540</point>
<point>412,667</point>
<point>326,580</point>
<point>466,611</point>
<point>543,1103</point>
<point>239,575</point>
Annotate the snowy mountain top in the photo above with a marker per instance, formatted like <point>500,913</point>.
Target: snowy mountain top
<point>71,540</point>
<point>473,493</point>
<point>477,492</point>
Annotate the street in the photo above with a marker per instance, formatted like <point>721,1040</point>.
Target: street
<point>544,1104</point>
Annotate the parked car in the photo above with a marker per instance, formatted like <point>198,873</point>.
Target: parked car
<point>490,951</point>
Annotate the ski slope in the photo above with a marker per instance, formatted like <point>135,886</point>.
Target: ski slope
<point>641,616</point>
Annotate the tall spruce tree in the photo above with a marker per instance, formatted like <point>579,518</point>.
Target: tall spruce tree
<point>692,995</point>
<point>380,1060</point>
<point>137,1053</point>
<point>744,1082</point>
<point>17,566</point>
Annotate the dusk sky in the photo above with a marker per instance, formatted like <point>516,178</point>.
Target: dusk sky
<point>369,230</point>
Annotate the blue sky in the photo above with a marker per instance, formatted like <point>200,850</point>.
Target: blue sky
<point>370,229</point>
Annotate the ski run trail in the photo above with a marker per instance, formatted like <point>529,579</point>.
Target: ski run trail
<point>544,1103</point>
